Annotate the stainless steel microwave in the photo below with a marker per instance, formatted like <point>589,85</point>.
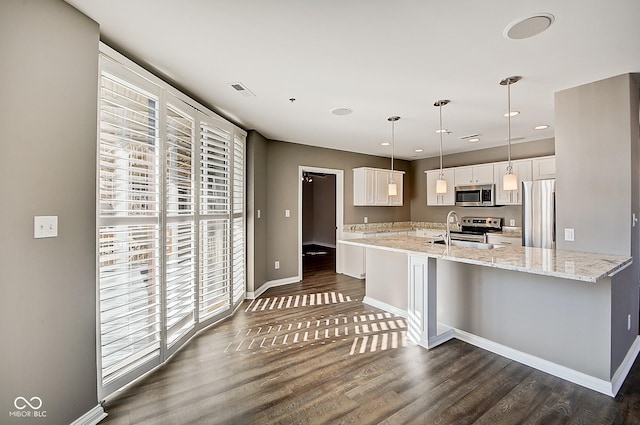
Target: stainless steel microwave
<point>476,196</point>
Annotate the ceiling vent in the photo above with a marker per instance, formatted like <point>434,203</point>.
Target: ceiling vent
<point>470,136</point>
<point>242,89</point>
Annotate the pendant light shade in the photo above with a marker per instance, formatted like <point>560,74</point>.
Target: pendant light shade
<point>510,180</point>
<point>441,183</point>
<point>393,188</point>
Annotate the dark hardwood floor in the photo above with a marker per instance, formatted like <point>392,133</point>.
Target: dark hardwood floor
<point>312,353</point>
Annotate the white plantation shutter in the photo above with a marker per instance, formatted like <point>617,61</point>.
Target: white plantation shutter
<point>214,170</point>
<point>171,225</point>
<point>129,173</point>
<point>180,264</point>
<point>214,268</point>
<point>180,169</point>
<point>215,273</point>
<point>180,238</point>
<point>238,243</point>
<point>129,298</point>
<point>128,229</point>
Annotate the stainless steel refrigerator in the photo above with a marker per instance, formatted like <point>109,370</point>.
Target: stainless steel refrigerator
<point>539,213</point>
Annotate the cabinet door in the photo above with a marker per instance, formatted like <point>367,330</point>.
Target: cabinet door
<point>363,186</point>
<point>463,176</point>
<point>382,187</point>
<point>434,198</point>
<point>399,180</point>
<point>544,168</point>
<point>522,169</point>
<point>483,174</point>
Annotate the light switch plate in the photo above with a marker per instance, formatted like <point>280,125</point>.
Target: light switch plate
<point>45,226</point>
<point>287,213</point>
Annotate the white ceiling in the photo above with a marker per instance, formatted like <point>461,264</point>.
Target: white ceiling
<point>378,58</point>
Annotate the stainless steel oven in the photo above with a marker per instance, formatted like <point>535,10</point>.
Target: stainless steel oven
<point>475,229</point>
<point>476,196</point>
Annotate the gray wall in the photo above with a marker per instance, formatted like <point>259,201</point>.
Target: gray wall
<point>593,159</point>
<point>560,320</point>
<point>256,200</point>
<point>49,74</point>
<point>597,156</point>
<point>283,160</point>
<point>421,212</point>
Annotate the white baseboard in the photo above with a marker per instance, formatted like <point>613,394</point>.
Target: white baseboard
<point>625,366</point>
<point>571,375</point>
<point>92,417</point>
<point>271,284</point>
<point>384,306</point>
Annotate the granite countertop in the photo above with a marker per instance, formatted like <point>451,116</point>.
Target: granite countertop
<point>403,226</point>
<point>586,267</point>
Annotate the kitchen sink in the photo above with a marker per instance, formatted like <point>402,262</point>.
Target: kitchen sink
<point>469,244</point>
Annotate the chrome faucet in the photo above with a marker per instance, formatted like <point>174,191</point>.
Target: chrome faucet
<point>447,236</point>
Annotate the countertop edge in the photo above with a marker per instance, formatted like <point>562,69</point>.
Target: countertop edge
<point>366,243</point>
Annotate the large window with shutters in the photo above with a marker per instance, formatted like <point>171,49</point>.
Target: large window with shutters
<point>171,220</point>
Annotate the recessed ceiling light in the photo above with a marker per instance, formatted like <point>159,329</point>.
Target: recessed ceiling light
<point>444,130</point>
<point>418,150</point>
<point>511,114</point>
<point>541,127</point>
<point>474,140</point>
<point>341,111</point>
<point>385,143</point>
<point>528,26</point>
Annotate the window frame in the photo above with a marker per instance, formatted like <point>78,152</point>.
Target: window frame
<point>117,65</point>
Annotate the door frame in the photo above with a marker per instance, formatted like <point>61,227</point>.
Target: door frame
<point>339,210</point>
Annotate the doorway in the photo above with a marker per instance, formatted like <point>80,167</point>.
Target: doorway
<point>320,217</point>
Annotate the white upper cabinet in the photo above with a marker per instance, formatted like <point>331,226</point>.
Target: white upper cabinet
<point>522,169</point>
<point>371,187</point>
<point>434,198</point>
<point>474,175</point>
<point>544,168</point>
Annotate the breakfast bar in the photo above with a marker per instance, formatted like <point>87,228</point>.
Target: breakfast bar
<point>550,309</point>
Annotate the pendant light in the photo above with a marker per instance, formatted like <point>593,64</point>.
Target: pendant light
<point>393,188</point>
<point>509,180</point>
<point>441,183</point>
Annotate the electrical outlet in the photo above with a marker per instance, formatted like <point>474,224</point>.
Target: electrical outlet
<point>258,213</point>
<point>277,265</point>
<point>287,213</point>
<point>366,220</point>
<point>512,222</point>
<point>569,235</point>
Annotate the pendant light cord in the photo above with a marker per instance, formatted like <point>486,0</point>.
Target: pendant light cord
<point>393,143</point>
<point>509,167</point>
<point>441,172</point>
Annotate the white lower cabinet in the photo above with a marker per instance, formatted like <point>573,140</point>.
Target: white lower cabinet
<point>522,169</point>
<point>433,198</point>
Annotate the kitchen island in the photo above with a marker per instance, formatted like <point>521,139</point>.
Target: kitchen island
<point>553,310</point>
